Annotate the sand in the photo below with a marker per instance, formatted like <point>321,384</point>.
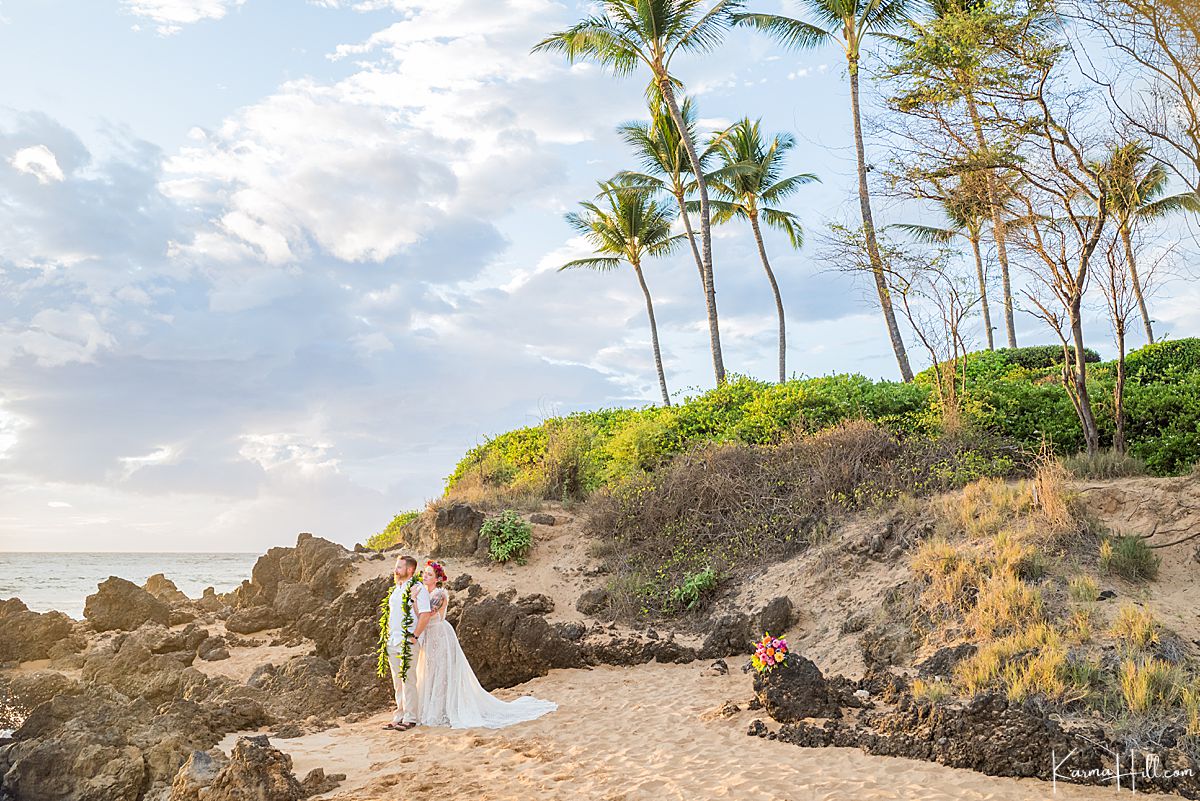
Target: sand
<point>648,732</point>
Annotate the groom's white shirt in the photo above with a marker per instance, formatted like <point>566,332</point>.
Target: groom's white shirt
<point>420,606</point>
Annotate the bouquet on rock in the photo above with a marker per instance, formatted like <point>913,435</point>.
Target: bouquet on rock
<point>769,652</point>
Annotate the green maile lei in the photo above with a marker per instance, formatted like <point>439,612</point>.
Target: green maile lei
<point>381,664</point>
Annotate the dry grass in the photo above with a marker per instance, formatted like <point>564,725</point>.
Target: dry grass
<point>1189,697</point>
<point>1148,685</point>
<point>1104,465</point>
<point>1005,605</point>
<point>932,691</point>
<point>1128,557</point>
<point>1084,589</point>
<point>1057,506</point>
<point>1135,627</point>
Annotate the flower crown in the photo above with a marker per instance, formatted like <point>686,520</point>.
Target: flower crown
<point>438,570</point>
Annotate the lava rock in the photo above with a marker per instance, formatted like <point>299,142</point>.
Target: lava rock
<point>507,645</point>
<point>796,690</point>
<point>729,635</point>
<point>26,635</point>
<point>536,604</point>
<point>593,601</point>
<point>777,616</point>
<point>123,605</point>
<point>542,519</point>
<point>253,619</point>
<point>944,660</point>
<point>164,589</point>
<point>256,770</point>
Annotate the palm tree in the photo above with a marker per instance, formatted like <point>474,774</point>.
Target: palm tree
<point>749,186</point>
<point>849,22</point>
<point>660,149</point>
<point>966,210</point>
<point>650,33</point>
<point>1135,193</point>
<point>627,223</point>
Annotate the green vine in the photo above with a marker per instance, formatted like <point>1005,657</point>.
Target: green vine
<point>381,662</point>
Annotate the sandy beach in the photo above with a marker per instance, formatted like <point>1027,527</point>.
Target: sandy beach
<point>625,734</point>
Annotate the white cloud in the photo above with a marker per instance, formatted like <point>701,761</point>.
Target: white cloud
<point>170,16</point>
<point>38,161</point>
<point>55,337</point>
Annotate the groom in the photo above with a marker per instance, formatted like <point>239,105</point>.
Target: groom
<point>399,630</point>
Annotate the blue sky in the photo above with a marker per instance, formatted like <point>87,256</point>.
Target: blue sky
<point>270,266</point>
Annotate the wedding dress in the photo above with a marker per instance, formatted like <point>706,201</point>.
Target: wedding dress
<point>449,693</point>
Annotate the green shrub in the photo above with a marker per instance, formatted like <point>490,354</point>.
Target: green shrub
<point>509,537</point>
<point>1163,362</point>
<point>694,587</point>
<point>1163,426</point>
<point>391,535</point>
<point>1128,557</point>
<point>1040,357</point>
<point>1105,464</point>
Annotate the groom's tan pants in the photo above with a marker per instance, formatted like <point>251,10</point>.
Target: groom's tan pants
<point>406,691</point>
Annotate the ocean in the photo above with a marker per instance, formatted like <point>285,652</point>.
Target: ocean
<point>62,581</point>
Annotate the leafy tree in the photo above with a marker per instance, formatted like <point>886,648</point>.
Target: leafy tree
<point>627,224</point>
<point>626,34</point>
<point>849,23</point>
<point>750,186</point>
<point>947,65</point>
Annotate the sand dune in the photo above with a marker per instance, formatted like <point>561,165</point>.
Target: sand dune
<point>649,732</point>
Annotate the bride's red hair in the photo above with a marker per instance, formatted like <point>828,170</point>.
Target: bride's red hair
<point>438,571</point>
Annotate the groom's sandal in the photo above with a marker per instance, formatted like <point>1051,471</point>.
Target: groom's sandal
<point>404,726</point>
<point>394,726</point>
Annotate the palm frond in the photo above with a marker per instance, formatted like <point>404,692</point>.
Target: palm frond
<point>927,234</point>
<point>787,222</point>
<point>1186,201</point>
<point>788,32</point>
<point>599,263</point>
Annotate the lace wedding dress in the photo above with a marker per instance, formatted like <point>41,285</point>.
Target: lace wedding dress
<point>448,692</point>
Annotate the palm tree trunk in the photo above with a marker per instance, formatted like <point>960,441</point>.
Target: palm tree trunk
<point>1127,241</point>
<point>864,202</point>
<point>662,376</point>
<point>983,301</point>
<point>710,292</point>
<point>999,229</point>
<point>762,252</point>
<point>710,298</point>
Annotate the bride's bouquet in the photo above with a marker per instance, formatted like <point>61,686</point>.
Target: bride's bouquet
<point>769,652</point>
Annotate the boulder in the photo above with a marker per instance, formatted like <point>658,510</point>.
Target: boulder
<point>209,601</point>
<point>542,519</point>
<point>253,619</point>
<point>507,645</point>
<point>122,605</point>
<point>944,660</point>
<point>593,601</point>
<point>26,635</point>
<point>293,601</point>
<point>729,635</point>
<point>31,689</point>
<point>317,563</point>
<point>777,616</point>
<point>164,589</point>
<point>796,690</point>
<point>197,774</point>
<point>256,770</point>
<point>317,782</point>
<point>212,649</point>
<point>451,530</point>
<point>536,604</point>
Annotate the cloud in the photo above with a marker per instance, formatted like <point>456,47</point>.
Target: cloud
<point>169,16</point>
<point>39,162</point>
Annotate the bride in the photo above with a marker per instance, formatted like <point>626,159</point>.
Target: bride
<point>448,692</point>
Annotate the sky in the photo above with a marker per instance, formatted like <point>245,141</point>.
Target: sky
<point>271,266</point>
